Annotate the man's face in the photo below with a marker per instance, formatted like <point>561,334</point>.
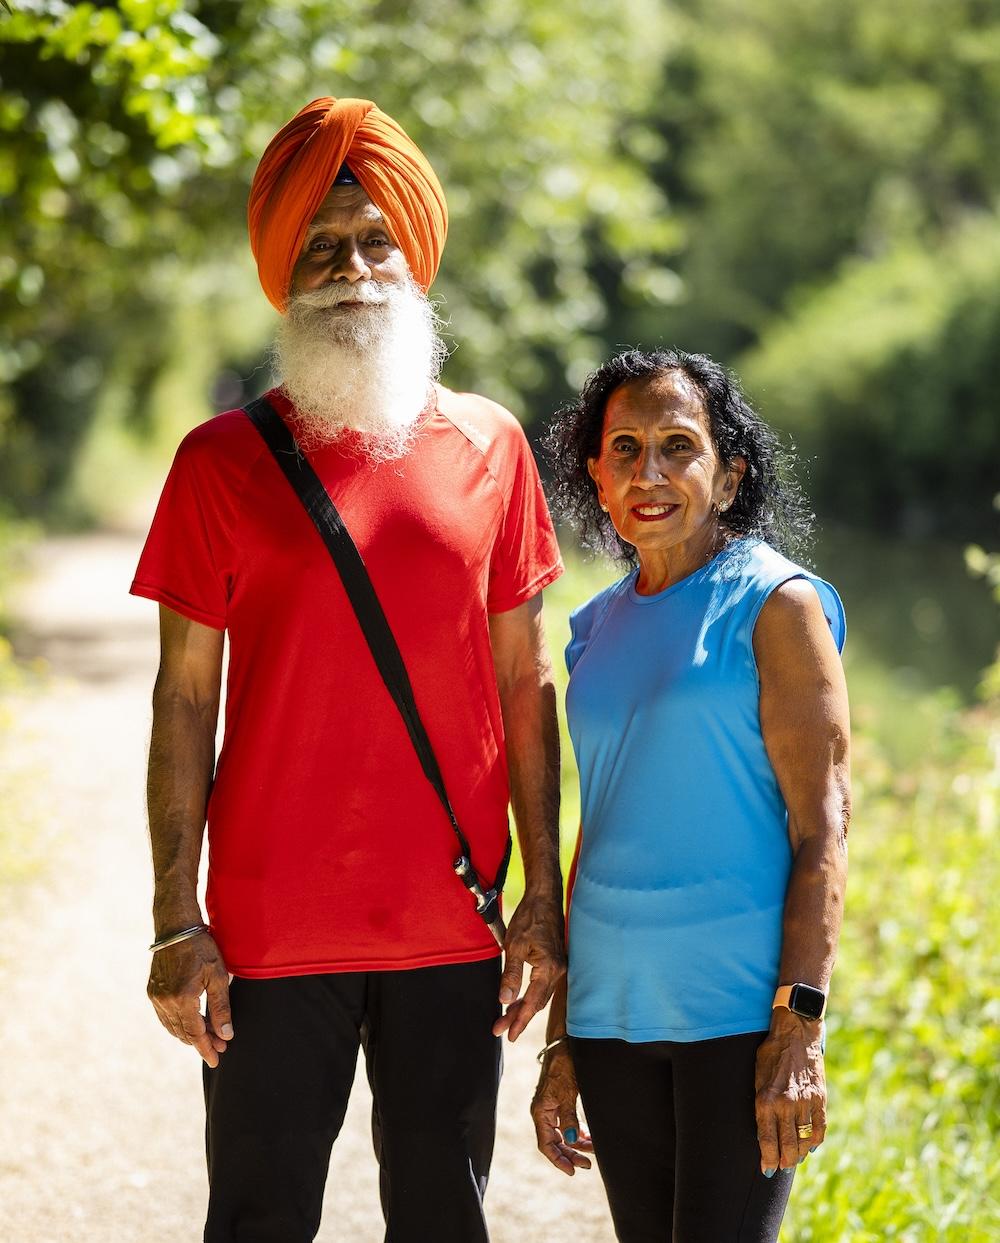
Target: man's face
<point>348,241</point>
<point>357,348</point>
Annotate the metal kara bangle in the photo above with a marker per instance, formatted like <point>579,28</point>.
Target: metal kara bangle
<point>178,936</point>
<point>551,1045</point>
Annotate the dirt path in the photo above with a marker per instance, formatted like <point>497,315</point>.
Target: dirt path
<point>100,1112</point>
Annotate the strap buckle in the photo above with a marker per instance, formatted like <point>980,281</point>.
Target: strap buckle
<point>487,902</point>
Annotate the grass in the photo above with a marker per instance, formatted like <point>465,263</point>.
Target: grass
<point>914,1026</point>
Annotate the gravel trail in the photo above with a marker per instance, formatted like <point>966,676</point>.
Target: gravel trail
<point>100,1111</point>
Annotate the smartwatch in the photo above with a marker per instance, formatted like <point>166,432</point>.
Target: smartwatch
<point>802,999</point>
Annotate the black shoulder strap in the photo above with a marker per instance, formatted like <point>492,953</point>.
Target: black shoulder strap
<point>374,625</point>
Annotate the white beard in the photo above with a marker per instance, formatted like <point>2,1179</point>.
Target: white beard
<point>368,370</point>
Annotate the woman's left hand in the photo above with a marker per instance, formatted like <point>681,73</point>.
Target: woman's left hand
<point>554,1113</point>
<point>791,1091</point>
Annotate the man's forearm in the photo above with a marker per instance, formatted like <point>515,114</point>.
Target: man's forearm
<point>532,730</point>
<point>181,765</point>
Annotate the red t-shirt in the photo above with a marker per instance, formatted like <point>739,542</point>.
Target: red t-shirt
<point>328,848</point>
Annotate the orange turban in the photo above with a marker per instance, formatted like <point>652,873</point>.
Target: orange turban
<point>299,166</point>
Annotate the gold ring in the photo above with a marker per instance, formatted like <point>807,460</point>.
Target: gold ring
<point>805,1130</point>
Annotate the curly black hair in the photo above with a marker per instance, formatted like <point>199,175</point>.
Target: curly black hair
<point>768,504</point>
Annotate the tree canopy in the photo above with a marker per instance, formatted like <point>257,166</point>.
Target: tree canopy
<point>805,189</point>
<point>130,133</point>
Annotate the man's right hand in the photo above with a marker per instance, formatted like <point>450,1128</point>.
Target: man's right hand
<point>179,975</point>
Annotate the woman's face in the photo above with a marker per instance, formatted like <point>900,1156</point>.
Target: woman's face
<point>658,472</point>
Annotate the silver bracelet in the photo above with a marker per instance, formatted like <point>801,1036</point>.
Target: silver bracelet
<point>178,936</point>
<point>551,1045</point>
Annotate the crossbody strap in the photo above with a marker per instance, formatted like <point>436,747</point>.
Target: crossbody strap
<point>378,635</point>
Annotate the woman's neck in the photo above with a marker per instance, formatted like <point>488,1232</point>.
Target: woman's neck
<point>662,568</point>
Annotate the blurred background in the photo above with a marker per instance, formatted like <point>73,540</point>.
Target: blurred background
<point>808,190</point>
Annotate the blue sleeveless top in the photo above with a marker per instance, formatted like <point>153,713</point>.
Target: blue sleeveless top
<point>676,915</point>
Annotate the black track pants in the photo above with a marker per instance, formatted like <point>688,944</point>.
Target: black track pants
<point>277,1100</point>
<point>676,1139</point>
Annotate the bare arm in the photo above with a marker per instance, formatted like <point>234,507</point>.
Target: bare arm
<point>181,764</point>
<point>528,704</point>
<point>806,728</point>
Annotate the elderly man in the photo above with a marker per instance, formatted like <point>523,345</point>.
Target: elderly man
<point>335,919</point>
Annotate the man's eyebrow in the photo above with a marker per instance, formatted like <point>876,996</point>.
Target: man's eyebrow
<point>371,217</point>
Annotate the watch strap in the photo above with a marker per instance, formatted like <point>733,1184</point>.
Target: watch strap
<point>783,998</point>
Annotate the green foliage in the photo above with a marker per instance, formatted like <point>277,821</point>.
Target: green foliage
<point>888,376</point>
<point>985,565</point>
<point>835,169</point>
<point>914,1029</point>
<point>918,626</point>
<point>91,212</point>
<point>805,131</point>
<point>798,187</point>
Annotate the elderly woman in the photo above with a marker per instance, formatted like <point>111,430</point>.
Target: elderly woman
<point>708,713</point>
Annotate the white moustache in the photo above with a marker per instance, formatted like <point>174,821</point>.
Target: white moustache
<point>337,292</point>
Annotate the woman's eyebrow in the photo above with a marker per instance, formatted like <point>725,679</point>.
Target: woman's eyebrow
<point>685,429</point>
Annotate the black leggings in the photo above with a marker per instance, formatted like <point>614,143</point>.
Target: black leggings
<point>676,1139</point>
<point>278,1097</point>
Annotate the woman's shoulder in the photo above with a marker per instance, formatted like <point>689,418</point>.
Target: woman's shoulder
<point>760,568</point>
<point>750,559</point>
<point>586,619</point>
<point>584,616</point>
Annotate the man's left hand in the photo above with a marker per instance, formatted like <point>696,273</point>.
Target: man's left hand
<point>535,937</point>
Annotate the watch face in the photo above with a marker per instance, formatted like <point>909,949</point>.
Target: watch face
<point>807,1001</point>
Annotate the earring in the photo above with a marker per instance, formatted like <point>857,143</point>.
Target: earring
<point>603,506</point>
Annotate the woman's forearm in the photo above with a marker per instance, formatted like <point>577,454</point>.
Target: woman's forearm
<point>814,908</point>
<point>556,1027</point>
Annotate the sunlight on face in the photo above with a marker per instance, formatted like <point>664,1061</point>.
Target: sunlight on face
<point>658,473</point>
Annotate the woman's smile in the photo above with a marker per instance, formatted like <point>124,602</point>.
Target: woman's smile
<point>650,512</point>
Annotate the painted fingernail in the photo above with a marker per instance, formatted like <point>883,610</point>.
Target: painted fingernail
<point>816,1149</point>
<point>769,1173</point>
<point>569,1135</point>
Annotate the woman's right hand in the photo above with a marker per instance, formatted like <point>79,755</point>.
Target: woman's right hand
<point>553,1112</point>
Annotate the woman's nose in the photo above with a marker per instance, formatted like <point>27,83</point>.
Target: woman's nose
<point>650,469</point>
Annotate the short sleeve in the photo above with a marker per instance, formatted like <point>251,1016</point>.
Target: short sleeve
<point>577,641</point>
<point>525,555</point>
<point>587,619</point>
<point>187,563</point>
<point>833,608</point>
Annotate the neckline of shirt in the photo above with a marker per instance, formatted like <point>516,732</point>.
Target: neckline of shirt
<point>695,576</point>
<point>343,444</point>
